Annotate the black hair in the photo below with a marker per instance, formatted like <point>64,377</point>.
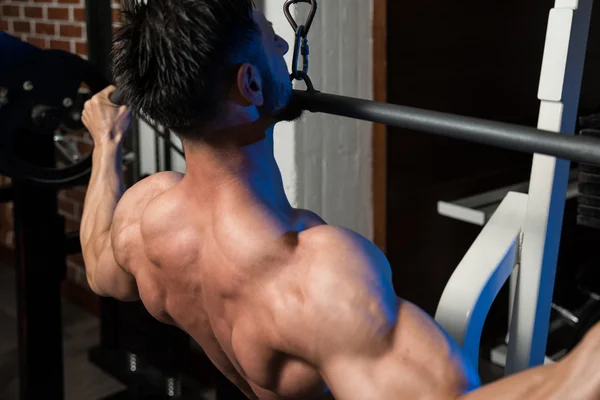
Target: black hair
<point>172,58</point>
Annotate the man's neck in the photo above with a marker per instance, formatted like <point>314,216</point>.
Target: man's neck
<point>214,169</point>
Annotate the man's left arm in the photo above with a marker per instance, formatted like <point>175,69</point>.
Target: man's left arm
<point>107,124</point>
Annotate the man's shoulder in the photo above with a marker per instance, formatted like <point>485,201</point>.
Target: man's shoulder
<point>156,183</point>
<point>136,216</point>
<point>133,208</point>
<point>336,274</point>
<point>331,253</point>
<point>332,242</point>
<point>137,197</point>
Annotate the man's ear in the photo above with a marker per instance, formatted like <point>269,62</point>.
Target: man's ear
<point>249,84</point>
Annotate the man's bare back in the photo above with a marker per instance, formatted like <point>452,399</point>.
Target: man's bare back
<point>284,305</point>
<point>229,272</point>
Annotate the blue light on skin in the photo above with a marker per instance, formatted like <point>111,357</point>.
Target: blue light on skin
<point>250,122</point>
<point>382,283</point>
<point>265,177</point>
<point>471,374</point>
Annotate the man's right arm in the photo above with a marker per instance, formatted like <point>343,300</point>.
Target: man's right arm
<point>575,377</point>
<point>368,344</point>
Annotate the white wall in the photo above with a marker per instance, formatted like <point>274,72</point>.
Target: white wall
<point>148,150</point>
<point>331,169</point>
<point>326,161</point>
<point>286,145</point>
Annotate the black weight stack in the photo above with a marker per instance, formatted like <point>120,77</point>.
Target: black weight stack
<point>588,217</point>
<point>588,211</point>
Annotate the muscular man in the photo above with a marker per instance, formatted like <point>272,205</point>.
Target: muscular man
<point>284,305</point>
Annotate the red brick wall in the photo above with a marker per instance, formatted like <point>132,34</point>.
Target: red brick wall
<point>57,24</point>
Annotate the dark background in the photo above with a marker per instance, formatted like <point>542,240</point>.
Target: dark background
<point>480,59</point>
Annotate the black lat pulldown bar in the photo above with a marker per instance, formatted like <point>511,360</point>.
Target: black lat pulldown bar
<point>508,136</point>
<point>499,134</point>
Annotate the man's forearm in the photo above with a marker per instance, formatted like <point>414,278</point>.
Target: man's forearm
<point>554,381</point>
<point>104,191</point>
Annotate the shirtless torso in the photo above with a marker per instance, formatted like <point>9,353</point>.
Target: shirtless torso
<point>231,274</point>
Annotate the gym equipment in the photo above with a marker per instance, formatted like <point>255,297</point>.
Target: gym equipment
<point>39,95</point>
<point>301,46</point>
<point>589,315</point>
<point>35,102</point>
<point>519,244</point>
<point>589,179</point>
<point>587,321</point>
<point>147,356</point>
<point>498,134</point>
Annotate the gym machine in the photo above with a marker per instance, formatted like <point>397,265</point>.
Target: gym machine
<point>37,106</point>
<point>522,225</point>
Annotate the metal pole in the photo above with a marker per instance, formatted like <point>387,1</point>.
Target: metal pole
<point>98,15</point>
<point>498,134</point>
<point>168,151</point>
<point>157,152</point>
<point>559,92</point>
<point>40,267</point>
<point>133,144</point>
<point>99,22</point>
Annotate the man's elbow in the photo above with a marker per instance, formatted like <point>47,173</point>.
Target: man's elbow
<point>128,294</point>
<point>92,284</point>
<point>122,291</point>
<point>94,287</point>
<point>117,289</point>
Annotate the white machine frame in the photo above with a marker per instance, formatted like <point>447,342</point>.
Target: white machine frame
<point>521,239</point>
